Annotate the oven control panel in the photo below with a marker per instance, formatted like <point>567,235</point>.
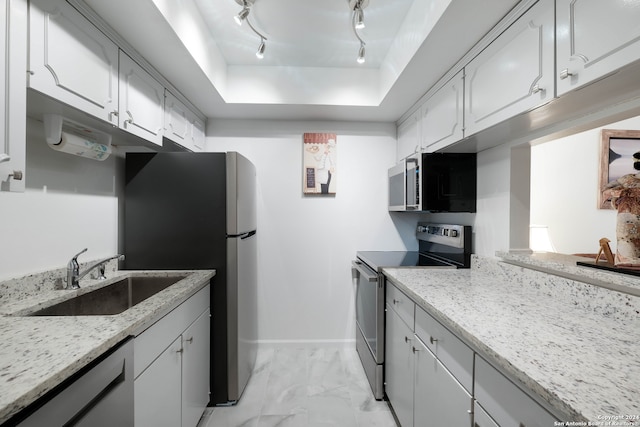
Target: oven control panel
<point>445,234</point>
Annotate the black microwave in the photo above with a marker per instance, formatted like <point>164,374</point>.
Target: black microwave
<point>434,182</point>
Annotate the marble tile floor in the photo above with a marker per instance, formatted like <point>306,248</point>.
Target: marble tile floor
<point>302,387</point>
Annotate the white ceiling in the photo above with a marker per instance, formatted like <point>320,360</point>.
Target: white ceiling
<point>309,71</point>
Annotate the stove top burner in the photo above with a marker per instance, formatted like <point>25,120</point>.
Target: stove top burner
<point>440,245</point>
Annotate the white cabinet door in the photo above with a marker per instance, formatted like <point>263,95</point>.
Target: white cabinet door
<point>481,418</point>
<point>198,134</point>
<point>157,391</point>
<point>195,370</point>
<point>409,137</point>
<point>399,364</point>
<point>506,403</point>
<point>513,74</point>
<point>594,38</point>
<point>141,101</point>
<point>71,60</point>
<point>440,400</point>
<point>181,125</point>
<point>442,116</point>
<point>177,126</point>
<point>13,87</point>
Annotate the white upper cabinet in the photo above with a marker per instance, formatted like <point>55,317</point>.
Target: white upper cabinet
<point>181,125</point>
<point>514,74</point>
<point>176,123</point>
<point>141,101</point>
<point>198,134</point>
<point>71,60</point>
<point>442,116</point>
<point>595,38</point>
<point>13,86</point>
<point>409,136</point>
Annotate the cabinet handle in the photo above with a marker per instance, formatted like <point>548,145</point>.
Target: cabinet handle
<point>112,115</point>
<point>414,350</point>
<point>565,73</point>
<point>180,351</point>
<point>536,89</point>
<point>396,301</point>
<point>407,339</point>
<point>17,175</point>
<point>433,340</point>
<point>189,340</point>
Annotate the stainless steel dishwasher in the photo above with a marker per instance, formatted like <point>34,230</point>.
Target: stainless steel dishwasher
<point>100,395</point>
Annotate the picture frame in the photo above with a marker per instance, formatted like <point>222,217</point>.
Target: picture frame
<point>319,174</point>
<point>619,155</point>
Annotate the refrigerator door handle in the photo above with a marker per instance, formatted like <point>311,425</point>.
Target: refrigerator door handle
<point>242,235</point>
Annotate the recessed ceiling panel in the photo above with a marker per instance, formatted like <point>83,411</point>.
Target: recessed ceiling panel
<point>304,33</point>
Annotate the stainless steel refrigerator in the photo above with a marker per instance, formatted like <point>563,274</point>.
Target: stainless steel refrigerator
<point>198,211</point>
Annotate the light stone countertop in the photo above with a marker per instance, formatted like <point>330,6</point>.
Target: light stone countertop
<point>574,345</point>
<point>38,353</point>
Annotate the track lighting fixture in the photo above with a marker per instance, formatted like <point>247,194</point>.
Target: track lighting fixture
<point>357,23</point>
<point>242,16</point>
<point>361,54</point>
<point>260,52</point>
<point>359,17</point>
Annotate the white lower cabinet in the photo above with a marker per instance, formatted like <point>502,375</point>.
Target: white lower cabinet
<point>504,402</point>
<point>399,367</point>
<point>481,418</point>
<point>420,388</point>
<point>439,400</point>
<point>157,392</point>
<point>195,380</point>
<point>171,386</point>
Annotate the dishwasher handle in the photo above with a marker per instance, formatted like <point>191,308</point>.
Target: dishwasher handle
<point>358,267</point>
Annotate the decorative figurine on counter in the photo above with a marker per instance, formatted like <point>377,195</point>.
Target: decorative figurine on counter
<point>605,250</point>
<point>625,198</point>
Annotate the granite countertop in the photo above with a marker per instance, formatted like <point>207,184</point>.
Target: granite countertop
<point>572,344</point>
<point>38,353</point>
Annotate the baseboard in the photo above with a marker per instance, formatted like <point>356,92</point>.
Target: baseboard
<point>347,343</point>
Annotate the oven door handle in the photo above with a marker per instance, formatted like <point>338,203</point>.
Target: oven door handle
<point>358,267</point>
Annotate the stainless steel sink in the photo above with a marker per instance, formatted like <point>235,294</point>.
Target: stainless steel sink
<point>111,299</point>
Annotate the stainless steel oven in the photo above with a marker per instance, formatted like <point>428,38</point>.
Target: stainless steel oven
<point>440,246</point>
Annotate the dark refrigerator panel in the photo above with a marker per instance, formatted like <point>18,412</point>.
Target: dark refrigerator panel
<point>175,212</point>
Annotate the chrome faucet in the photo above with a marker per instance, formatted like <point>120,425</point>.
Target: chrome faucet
<point>73,269</point>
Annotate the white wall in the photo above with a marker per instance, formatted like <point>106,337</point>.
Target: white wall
<point>306,243</point>
<point>70,203</point>
<point>564,185</point>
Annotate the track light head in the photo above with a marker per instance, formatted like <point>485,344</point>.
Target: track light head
<point>359,18</point>
<point>361,52</point>
<point>242,15</point>
<point>261,48</point>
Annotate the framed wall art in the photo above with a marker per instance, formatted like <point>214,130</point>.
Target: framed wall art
<point>619,156</point>
<point>319,163</point>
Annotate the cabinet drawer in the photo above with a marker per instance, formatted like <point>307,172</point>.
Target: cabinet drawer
<point>401,304</point>
<point>154,340</point>
<point>505,402</point>
<point>452,352</point>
